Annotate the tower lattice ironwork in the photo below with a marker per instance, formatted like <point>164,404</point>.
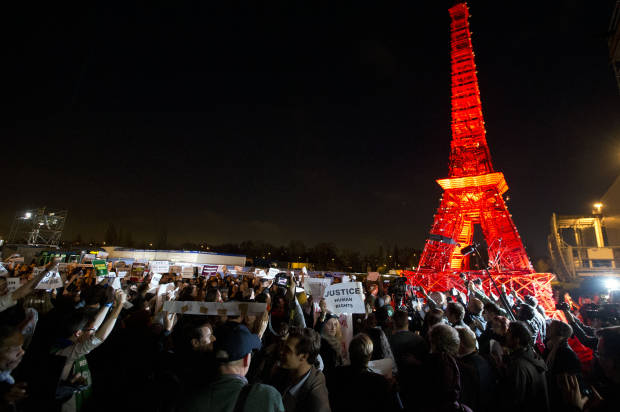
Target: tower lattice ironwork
<point>473,192</point>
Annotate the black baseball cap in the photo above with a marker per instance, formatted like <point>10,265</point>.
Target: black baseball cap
<point>234,341</point>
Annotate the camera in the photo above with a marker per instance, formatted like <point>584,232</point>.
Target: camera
<point>562,306</point>
<point>282,280</point>
<point>398,287</point>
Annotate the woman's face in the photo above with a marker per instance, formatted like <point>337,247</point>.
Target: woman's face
<point>331,327</point>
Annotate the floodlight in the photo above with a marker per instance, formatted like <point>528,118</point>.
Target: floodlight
<point>28,215</point>
<point>611,284</point>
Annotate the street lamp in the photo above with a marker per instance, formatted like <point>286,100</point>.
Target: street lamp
<point>597,208</point>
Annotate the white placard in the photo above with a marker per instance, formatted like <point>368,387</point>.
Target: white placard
<point>304,270</point>
<point>116,283</point>
<point>121,274</point>
<point>3,271</point>
<point>52,280</point>
<point>13,284</point>
<point>316,286</point>
<point>272,273</point>
<point>345,298</point>
<point>154,282</point>
<point>232,308</point>
<point>159,266</point>
<point>382,367</point>
<point>260,273</point>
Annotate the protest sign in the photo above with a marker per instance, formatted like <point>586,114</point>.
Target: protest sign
<point>372,276</point>
<point>101,267</point>
<point>155,280</point>
<point>175,269</point>
<point>3,271</point>
<point>316,286</point>
<point>159,266</point>
<point>382,367</point>
<point>272,273</point>
<point>345,298</point>
<point>13,284</point>
<point>209,270</point>
<point>260,273</point>
<point>115,283</point>
<point>121,274</point>
<point>232,308</point>
<point>88,258</point>
<point>52,280</point>
<point>187,272</point>
<point>137,270</point>
<point>161,292</point>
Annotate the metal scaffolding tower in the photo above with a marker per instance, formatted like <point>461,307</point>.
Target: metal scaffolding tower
<point>38,227</point>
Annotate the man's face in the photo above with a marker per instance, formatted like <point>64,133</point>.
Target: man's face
<point>488,316</point>
<point>11,352</point>
<point>205,343</point>
<point>289,358</point>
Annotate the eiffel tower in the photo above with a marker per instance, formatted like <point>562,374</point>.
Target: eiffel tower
<point>473,192</point>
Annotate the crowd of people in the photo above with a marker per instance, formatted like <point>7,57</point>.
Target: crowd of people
<point>90,346</point>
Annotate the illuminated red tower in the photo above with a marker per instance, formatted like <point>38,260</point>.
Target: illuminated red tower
<point>473,191</point>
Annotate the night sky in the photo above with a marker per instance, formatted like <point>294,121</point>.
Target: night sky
<point>317,121</point>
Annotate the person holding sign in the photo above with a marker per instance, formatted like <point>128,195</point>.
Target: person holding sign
<point>11,298</point>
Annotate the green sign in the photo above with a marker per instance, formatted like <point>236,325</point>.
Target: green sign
<point>101,267</point>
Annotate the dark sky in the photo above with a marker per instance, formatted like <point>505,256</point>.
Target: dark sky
<point>318,121</point>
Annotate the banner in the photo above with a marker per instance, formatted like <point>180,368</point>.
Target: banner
<point>345,298</point>
<point>159,266</point>
<point>232,308</point>
<point>52,280</point>
<point>13,284</point>
<point>101,267</point>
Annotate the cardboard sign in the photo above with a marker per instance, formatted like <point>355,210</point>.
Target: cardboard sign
<point>232,308</point>
<point>345,298</point>
<point>52,280</point>
<point>13,284</point>
<point>316,286</point>
<point>372,276</point>
<point>101,267</point>
<point>159,266</point>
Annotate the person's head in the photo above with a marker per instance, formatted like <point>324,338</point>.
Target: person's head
<point>233,348</point>
<point>500,325</point>
<point>530,300</point>
<point>400,320</point>
<point>331,327</point>
<point>301,349</point>
<point>74,323</point>
<point>11,351</point>
<point>467,339</point>
<point>491,310</point>
<point>439,298</point>
<point>609,352</point>
<point>444,339</point>
<point>213,295</point>
<point>526,313</point>
<point>360,350</point>
<point>323,305</point>
<point>475,306</point>
<point>433,317</point>
<point>559,329</point>
<point>455,312</point>
<point>518,335</point>
<point>200,336</point>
